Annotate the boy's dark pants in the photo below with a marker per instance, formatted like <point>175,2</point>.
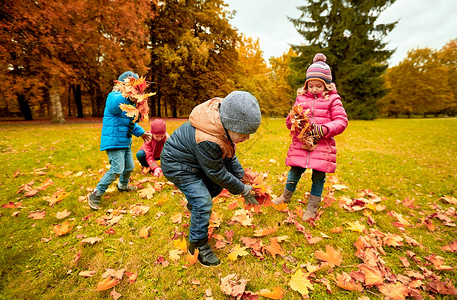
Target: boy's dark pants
<point>199,195</point>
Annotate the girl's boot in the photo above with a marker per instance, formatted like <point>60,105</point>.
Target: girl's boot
<point>311,208</point>
<point>285,197</point>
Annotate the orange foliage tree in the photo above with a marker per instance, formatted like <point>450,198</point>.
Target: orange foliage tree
<point>48,46</point>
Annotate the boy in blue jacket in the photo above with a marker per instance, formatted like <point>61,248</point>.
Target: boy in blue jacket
<point>116,140</point>
<point>199,158</point>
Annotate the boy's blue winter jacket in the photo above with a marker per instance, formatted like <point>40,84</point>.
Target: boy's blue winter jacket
<point>116,124</point>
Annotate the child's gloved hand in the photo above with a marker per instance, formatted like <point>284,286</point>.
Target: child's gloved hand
<point>319,131</point>
<point>146,136</point>
<point>158,172</point>
<point>249,198</point>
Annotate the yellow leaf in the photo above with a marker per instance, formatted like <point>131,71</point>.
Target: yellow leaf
<point>180,244</point>
<point>237,251</point>
<point>299,282</point>
<point>356,226</point>
<point>144,232</point>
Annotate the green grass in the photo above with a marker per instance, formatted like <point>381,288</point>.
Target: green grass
<point>396,159</point>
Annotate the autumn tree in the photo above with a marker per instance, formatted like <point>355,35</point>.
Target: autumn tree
<point>193,55</point>
<point>52,45</point>
<point>253,74</point>
<point>347,32</point>
<point>418,85</point>
<point>280,73</point>
<point>448,57</point>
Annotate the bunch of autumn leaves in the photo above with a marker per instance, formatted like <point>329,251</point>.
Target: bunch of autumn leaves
<point>301,126</point>
<point>134,89</point>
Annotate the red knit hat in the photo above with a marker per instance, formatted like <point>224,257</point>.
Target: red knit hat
<point>158,126</point>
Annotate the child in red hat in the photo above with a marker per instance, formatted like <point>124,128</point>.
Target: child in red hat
<point>149,153</point>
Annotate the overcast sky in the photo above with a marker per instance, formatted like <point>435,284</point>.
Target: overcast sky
<point>422,23</point>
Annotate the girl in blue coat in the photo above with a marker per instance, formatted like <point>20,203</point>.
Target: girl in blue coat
<point>116,140</point>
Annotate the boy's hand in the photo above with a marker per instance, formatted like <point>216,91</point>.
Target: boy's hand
<point>249,198</point>
<point>146,136</point>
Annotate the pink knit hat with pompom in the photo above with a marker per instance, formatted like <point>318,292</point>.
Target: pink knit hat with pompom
<point>319,70</point>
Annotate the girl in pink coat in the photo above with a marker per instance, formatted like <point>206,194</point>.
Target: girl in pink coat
<point>328,118</point>
<point>150,151</point>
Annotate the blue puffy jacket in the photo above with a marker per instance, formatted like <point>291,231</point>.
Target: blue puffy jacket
<point>116,124</point>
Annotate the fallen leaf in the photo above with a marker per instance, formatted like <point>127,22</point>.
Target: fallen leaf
<point>180,244</point>
<point>266,231</point>
<point>395,291</point>
<point>63,214</point>
<point>372,275</point>
<point>147,192</point>
<point>91,241</point>
<point>274,248</point>
<point>356,226</point>
<point>144,232</point>
<point>175,254</point>
<point>230,285</point>
<point>176,218</point>
<point>87,273</point>
<point>299,282</point>
<point>332,256</point>
<point>107,283</point>
<point>345,281</point>
<point>63,229</point>
<point>237,251</point>
<point>115,294</point>
<point>132,276</point>
<point>37,215</point>
<point>118,274</point>
<point>192,259</point>
<point>277,293</point>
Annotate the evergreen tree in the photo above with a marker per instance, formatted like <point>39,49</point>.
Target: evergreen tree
<point>193,54</point>
<point>347,33</point>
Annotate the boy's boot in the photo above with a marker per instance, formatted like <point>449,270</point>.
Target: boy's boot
<point>128,188</point>
<point>205,255</point>
<point>311,208</point>
<point>285,197</point>
<point>94,199</point>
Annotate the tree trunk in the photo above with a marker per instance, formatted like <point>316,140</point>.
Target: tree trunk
<point>78,100</point>
<point>69,99</point>
<point>159,110</point>
<point>56,106</point>
<point>25,107</point>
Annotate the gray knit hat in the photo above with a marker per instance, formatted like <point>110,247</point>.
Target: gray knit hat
<point>240,112</point>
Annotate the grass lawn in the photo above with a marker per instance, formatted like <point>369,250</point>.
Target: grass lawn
<point>389,212</point>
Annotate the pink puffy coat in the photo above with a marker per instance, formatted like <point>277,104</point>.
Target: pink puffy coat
<point>329,113</point>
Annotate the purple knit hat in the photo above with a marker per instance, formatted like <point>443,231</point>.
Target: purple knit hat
<point>319,70</point>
